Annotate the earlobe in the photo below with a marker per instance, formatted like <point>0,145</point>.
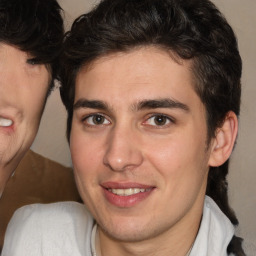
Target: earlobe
<point>223,143</point>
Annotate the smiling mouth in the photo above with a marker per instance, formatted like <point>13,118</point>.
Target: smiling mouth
<point>127,191</point>
<point>4,122</point>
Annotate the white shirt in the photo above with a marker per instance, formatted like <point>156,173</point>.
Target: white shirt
<point>65,229</point>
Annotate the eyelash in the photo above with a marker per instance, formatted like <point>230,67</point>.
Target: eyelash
<point>32,61</point>
<point>166,118</point>
<point>163,116</point>
<point>86,118</point>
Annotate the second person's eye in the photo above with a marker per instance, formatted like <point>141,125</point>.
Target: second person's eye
<point>32,61</point>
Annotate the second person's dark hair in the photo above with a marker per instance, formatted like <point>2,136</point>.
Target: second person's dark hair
<point>34,26</point>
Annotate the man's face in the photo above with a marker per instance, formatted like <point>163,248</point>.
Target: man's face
<point>23,89</point>
<point>138,144</point>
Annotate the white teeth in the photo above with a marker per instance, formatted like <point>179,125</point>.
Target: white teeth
<point>5,122</point>
<point>128,191</point>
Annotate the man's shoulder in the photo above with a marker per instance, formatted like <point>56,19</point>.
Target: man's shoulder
<point>68,213</point>
<point>55,227</point>
<point>52,210</point>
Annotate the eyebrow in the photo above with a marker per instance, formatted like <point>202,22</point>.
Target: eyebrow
<point>94,104</point>
<point>140,105</point>
<point>160,103</point>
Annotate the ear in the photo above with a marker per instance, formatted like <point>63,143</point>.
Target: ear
<point>223,143</point>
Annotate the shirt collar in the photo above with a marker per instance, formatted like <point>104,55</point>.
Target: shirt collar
<point>215,232</point>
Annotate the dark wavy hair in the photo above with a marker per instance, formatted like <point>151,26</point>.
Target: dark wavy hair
<point>35,27</point>
<point>192,29</point>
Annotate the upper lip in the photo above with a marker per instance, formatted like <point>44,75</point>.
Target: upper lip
<point>6,117</point>
<point>124,185</point>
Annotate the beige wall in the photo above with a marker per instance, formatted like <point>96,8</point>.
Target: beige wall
<point>51,140</point>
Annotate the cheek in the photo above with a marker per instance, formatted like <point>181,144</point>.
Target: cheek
<point>177,157</point>
<point>86,164</point>
<point>41,93</point>
<point>181,170</point>
<point>36,96</point>
<point>84,153</point>
<point>167,153</point>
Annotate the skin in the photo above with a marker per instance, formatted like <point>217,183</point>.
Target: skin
<point>126,141</point>
<point>23,89</point>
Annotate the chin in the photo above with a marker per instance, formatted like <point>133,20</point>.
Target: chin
<point>128,232</point>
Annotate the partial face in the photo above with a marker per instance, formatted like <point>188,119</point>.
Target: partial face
<point>23,89</point>
<point>138,144</point>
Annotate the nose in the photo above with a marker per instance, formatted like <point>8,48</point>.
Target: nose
<point>123,150</point>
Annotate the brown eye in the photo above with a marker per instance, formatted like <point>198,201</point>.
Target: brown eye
<point>96,119</point>
<point>159,120</point>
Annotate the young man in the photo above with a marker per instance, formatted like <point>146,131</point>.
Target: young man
<point>152,90</point>
<point>31,34</point>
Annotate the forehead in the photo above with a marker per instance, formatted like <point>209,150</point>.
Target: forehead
<point>147,72</point>
<point>11,51</point>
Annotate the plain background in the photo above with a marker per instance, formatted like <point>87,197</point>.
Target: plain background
<point>51,141</point>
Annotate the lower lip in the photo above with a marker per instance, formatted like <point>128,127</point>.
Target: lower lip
<point>7,129</point>
<point>126,201</point>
